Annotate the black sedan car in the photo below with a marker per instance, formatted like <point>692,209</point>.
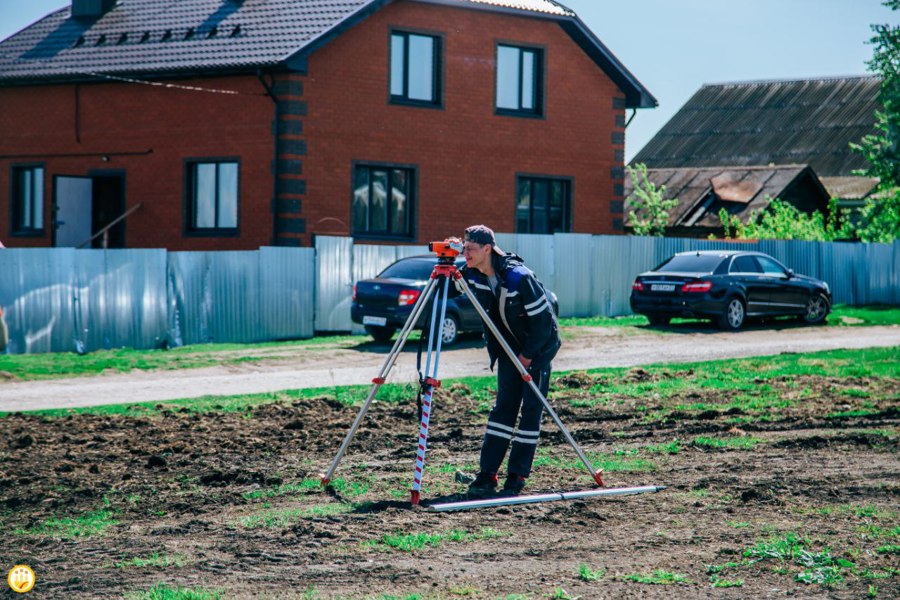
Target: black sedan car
<point>383,304</point>
<point>728,287</point>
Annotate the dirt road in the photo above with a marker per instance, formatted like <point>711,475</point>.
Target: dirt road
<point>299,367</point>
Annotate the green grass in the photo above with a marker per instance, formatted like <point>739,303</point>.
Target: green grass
<point>744,382</point>
<point>122,360</point>
<point>844,315</point>
<point>154,560</point>
<point>308,486</point>
<point>585,573</point>
<point>165,592</point>
<point>86,525</point>
<point>411,542</point>
<point>282,518</point>
<point>68,364</point>
<point>739,443</point>
<point>658,577</point>
<point>889,549</point>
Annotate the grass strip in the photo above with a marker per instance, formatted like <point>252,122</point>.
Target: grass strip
<point>24,367</point>
<point>743,380</point>
<point>164,592</point>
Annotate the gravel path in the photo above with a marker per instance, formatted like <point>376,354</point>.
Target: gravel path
<point>585,348</point>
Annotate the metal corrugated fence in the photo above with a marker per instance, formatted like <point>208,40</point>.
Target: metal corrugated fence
<point>60,299</point>
<point>66,300</point>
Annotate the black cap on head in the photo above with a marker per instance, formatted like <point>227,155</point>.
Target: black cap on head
<point>482,234</point>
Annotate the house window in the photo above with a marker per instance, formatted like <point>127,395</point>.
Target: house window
<point>212,205</point>
<point>28,200</point>
<point>382,201</point>
<point>543,205</point>
<point>519,80</point>
<point>415,69</point>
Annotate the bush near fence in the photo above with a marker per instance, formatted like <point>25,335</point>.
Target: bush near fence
<point>61,299</point>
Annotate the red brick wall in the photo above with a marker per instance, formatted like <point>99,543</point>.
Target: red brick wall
<point>467,157</point>
<point>174,124</point>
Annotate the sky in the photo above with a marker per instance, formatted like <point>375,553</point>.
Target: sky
<point>674,47</point>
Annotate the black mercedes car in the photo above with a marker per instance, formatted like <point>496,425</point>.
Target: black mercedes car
<point>383,304</point>
<point>728,287</point>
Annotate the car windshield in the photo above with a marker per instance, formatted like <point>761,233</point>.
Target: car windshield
<point>690,263</point>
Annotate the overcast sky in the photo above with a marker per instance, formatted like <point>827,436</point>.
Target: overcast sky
<point>675,46</point>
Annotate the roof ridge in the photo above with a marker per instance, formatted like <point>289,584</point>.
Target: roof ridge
<point>790,80</point>
<point>733,167</point>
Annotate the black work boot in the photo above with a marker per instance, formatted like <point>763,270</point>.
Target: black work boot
<point>484,485</point>
<point>513,485</point>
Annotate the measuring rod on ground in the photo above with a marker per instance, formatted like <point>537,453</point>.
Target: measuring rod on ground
<point>444,273</point>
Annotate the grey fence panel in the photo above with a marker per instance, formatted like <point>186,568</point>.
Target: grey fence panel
<point>334,283</point>
<point>573,267</point>
<point>120,299</point>
<point>616,261</point>
<point>235,308</point>
<point>215,297</point>
<point>879,258</point>
<point>538,252</point>
<point>37,292</point>
<point>287,292</point>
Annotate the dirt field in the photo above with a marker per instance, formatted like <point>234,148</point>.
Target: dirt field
<point>228,501</point>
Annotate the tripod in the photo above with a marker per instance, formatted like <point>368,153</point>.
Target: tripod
<point>441,277</point>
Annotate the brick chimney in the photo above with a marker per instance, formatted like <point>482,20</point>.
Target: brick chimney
<point>91,9</point>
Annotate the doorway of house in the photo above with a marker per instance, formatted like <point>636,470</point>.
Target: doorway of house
<point>84,206</point>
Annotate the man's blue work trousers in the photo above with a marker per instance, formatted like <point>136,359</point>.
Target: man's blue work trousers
<point>514,393</point>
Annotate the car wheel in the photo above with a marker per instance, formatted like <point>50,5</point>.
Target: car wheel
<point>734,315</point>
<point>450,330</point>
<point>816,309</point>
<point>658,320</point>
<point>380,334</point>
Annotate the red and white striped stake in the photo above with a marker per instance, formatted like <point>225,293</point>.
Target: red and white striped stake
<point>427,393</point>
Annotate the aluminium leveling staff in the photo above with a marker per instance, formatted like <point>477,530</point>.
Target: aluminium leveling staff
<point>518,305</point>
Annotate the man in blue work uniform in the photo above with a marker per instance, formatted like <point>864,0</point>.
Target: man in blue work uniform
<point>520,308</point>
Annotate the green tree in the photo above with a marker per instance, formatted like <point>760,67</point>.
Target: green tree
<point>880,216</point>
<point>783,221</point>
<point>649,207</point>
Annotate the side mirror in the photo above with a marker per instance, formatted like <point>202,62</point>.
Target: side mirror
<point>790,273</point>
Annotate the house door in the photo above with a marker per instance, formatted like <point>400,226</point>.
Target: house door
<point>108,204</point>
<point>84,206</point>
<point>73,214</point>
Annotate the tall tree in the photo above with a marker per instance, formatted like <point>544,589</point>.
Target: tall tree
<point>880,217</point>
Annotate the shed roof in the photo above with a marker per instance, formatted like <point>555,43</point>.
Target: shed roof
<point>182,37</point>
<point>807,121</point>
<point>702,192</point>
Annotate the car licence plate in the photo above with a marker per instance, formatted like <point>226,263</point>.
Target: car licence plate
<point>370,320</point>
<point>662,287</point>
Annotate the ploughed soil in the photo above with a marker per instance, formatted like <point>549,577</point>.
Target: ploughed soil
<point>227,501</point>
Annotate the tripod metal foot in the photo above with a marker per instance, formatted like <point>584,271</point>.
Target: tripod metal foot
<point>598,478</point>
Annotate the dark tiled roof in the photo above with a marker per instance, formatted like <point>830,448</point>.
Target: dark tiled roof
<point>171,37</point>
<point>756,188</point>
<point>807,121</point>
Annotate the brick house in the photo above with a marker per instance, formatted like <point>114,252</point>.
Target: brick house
<point>231,124</point>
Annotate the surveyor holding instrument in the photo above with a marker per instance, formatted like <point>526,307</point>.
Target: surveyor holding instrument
<point>519,306</point>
